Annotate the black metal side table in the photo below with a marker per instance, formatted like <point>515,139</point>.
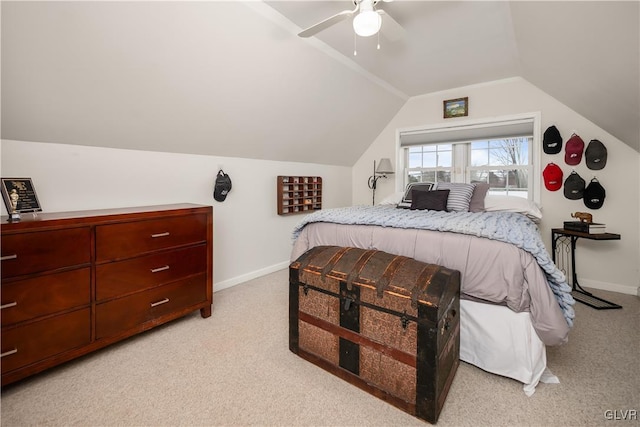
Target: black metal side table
<point>579,294</point>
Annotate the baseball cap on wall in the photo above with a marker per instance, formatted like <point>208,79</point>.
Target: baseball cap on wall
<point>574,186</point>
<point>222,186</point>
<point>595,155</point>
<point>552,175</point>
<point>552,141</point>
<point>594,195</point>
<point>573,150</point>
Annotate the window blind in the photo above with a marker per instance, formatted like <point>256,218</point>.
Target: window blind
<point>498,130</point>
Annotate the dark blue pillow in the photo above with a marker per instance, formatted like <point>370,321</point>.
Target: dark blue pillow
<point>405,203</point>
<point>430,200</point>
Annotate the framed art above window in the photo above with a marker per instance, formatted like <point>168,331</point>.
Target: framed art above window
<point>458,107</point>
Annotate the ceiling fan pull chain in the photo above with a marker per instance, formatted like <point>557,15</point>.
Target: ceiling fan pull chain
<point>355,45</point>
<point>378,34</point>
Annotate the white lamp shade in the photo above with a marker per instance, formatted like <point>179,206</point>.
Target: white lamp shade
<point>384,167</point>
<point>367,23</point>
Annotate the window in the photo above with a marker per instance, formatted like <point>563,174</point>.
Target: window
<point>503,163</point>
<point>430,163</point>
<point>500,154</point>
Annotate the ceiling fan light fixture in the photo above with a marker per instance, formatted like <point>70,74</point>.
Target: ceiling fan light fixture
<point>367,22</point>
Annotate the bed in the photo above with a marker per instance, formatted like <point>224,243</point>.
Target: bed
<point>514,301</point>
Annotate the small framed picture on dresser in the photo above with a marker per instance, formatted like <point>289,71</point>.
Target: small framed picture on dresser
<point>19,195</point>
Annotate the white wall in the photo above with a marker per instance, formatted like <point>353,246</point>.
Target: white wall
<point>250,239</point>
<point>612,265</point>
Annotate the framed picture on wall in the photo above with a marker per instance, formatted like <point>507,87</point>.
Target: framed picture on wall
<point>458,107</point>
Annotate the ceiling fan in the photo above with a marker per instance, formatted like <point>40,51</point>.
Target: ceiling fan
<point>367,21</point>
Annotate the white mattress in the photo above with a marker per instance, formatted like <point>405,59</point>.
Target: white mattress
<point>503,342</point>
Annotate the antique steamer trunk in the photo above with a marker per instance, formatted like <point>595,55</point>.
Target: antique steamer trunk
<point>385,323</point>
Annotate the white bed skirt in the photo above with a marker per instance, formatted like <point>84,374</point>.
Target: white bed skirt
<point>503,342</point>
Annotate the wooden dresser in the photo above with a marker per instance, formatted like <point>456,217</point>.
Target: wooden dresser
<point>74,282</point>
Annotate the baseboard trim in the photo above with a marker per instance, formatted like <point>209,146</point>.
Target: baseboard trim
<point>218,286</point>
<point>613,287</point>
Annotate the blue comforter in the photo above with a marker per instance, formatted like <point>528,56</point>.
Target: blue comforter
<point>508,227</point>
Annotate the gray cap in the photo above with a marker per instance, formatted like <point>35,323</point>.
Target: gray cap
<point>595,155</point>
<point>222,186</point>
<point>574,186</point>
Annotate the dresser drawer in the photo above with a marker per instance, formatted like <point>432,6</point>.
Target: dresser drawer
<point>43,295</point>
<point>123,277</point>
<point>130,312</point>
<point>30,343</point>
<point>117,241</point>
<point>27,253</point>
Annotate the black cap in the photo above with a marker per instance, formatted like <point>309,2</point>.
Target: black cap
<point>574,186</point>
<point>222,187</point>
<point>595,155</point>
<point>552,141</point>
<point>594,195</point>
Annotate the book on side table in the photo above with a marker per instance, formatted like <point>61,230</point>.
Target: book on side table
<point>591,228</point>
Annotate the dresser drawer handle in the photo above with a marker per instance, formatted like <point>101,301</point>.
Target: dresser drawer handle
<point>9,353</point>
<point>8,257</point>
<point>159,269</point>
<point>165,234</point>
<point>164,301</point>
<point>8,305</point>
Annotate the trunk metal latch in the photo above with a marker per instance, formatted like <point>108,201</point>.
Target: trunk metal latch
<point>404,320</point>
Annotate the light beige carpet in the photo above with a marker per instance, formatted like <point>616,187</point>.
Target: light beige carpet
<point>235,369</point>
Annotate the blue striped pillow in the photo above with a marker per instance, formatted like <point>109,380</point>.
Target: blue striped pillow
<point>459,195</point>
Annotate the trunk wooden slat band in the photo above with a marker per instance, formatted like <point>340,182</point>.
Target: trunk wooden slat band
<point>423,281</point>
<point>386,277</point>
<point>354,274</point>
<point>304,261</point>
<point>333,261</point>
<point>400,356</point>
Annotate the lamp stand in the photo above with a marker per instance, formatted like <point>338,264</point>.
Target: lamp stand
<point>373,182</point>
<point>384,168</point>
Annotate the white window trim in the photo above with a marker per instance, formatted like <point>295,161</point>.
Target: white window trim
<point>536,148</point>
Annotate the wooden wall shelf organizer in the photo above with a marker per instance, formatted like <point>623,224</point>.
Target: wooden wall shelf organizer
<point>299,194</point>
<point>74,282</point>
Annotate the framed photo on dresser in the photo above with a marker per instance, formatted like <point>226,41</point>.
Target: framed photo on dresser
<point>19,195</point>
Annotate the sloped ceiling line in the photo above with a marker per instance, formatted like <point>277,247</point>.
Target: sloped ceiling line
<point>586,54</point>
<point>232,79</point>
<point>282,21</point>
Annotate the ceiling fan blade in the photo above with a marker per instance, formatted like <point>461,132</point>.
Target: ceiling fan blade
<point>391,30</point>
<point>314,29</point>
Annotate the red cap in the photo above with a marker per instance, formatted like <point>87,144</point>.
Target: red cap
<point>573,150</point>
<point>552,175</point>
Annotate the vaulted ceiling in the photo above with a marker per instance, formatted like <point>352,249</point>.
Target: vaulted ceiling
<point>233,79</point>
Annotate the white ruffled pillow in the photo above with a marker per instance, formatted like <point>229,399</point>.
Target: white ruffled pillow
<point>392,199</point>
<point>512,204</point>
